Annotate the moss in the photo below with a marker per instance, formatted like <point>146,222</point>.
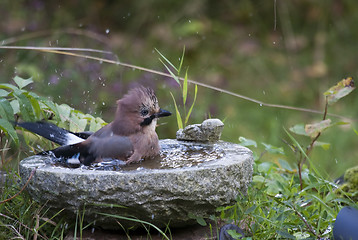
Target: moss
<point>350,187</point>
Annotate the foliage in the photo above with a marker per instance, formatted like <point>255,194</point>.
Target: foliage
<point>183,88</point>
<point>314,131</point>
<point>286,202</point>
<point>18,104</point>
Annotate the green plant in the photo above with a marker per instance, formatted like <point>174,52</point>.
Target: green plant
<point>18,104</point>
<point>315,130</point>
<point>283,204</point>
<point>181,121</point>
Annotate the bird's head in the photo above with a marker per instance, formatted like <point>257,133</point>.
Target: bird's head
<point>140,108</point>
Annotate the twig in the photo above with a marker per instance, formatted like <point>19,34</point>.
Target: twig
<point>22,189</point>
<point>304,221</point>
<point>25,226</point>
<point>48,50</point>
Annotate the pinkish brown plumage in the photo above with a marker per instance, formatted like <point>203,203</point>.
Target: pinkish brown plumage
<point>130,136</point>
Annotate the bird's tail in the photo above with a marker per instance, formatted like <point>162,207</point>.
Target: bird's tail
<point>54,133</point>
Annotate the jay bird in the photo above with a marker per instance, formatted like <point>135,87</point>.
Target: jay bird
<point>131,136</point>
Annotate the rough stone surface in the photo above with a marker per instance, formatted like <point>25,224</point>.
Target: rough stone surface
<point>208,131</point>
<point>158,196</point>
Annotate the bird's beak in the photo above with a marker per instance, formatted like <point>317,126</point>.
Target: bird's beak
<point>163,113</point>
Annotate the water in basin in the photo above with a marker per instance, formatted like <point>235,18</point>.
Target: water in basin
<point>171,156</point>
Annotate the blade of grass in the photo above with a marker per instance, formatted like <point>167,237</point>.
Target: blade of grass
<point>181,61</point>
<point>192,105</point>
<point>185,87</point>
<point>166,60</point>
<point>179,121</point>
<point>171,73</point>
<point>136,220</point>
<point>303,152</point>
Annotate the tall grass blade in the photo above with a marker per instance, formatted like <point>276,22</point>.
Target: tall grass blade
<point>179,121</point>
<point>176,78</point>
<point>136,220</point>
<point>185,87</point>
<point>166,60</point>
<point>303,152</point>
<point>181,61</point>
<point>192,105</point>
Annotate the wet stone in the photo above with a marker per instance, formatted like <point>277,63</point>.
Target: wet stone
<point>200,178</point>
<point>208,131</point>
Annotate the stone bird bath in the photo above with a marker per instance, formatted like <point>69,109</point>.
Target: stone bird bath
<point>191,179</point>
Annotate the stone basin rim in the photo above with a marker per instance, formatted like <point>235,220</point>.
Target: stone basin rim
<point>41,165</point>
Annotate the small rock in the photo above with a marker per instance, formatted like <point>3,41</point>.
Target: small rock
<point>350,184</point>
<point>208,131</point>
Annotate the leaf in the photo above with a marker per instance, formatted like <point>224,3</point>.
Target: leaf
<point>201,221</point>
<point>247,142</point>
<point>8,86</point>
<point>284,164</point>
<point>171,73</point>
<point>286,235</point>
<point>50,106</point>
<point>26,110</point>
<point>78,122</point>
<point>15,106</point>
<point>171,64</point>
<point>314,129</point>
<point>324,145</point>
<point>272,149</point>
<point>96,124</point>
<point>179,121</point>
<point>64,110</point>
<point>35,104</point>
<point>181,60</point>
<point>192,105</point>
<point>258,179</point>
<point>185,87</point>
<point>3,93</point>
<point>9,130</point>
<point>234,234</point>
<point>340,90</point>
<point>250,209</point>
<point>21,83</point>
<point>299,129</point>
<point>265,167</point>
<point>6,111</point>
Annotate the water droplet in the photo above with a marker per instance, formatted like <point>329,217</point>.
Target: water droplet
<point>103,103</point>
<point>152,216</point>
<point>107,31</point>
<point>189,21</point>
<point>260,104</point>
<point>92,230</point>
<point>263,92</point>
<point>274,42</point>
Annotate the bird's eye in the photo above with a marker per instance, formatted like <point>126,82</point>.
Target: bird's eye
<point>144,112</point>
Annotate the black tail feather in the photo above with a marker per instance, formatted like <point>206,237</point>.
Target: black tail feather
<point>52,132</point>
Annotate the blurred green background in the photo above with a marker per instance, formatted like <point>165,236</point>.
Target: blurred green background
<point>282,52</point>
